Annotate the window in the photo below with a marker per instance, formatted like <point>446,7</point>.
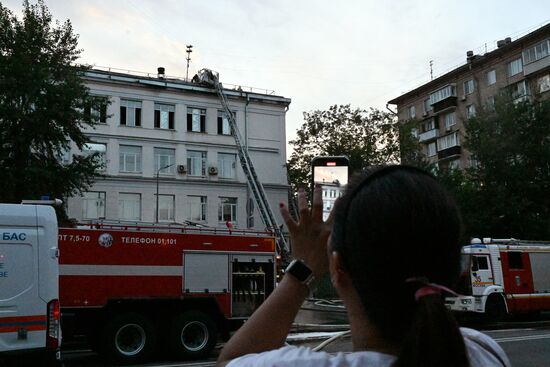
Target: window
<point>519,89</point>
<point>514,260</point>
<point>164,116</point>
<point>129,159</point>
<point>196,163</point>
<point>543,83</point>
<point>224,127</point>
<point>428,125</point>
<point>99,113</point>
<point>99,148</point>
<point>427,106</point>
<point>471,111</point>
<point>130,113</point>
<point>432,149</point>
<point>129,206</point>
<point>515,67</point>
<point>165,157</point>
<point>196,120</point>
<point>197,208</point>
<point>482,262</point>
<point>491,77</point>
<point>166,208</point>
<point>449,120</point>
<point>227,211</point>
<point>411,112</point>
<point>93,205</point>
<point>443,93</point>
<point>64,155</point>
<point>469,87</point>
<point>536,52</point>
<point>226,165</point>
<point>448,141</point>
<point>491,102</point>
<point>454,164</point>
<point>474,163</point>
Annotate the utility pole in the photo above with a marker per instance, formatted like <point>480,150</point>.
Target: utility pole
<point>431,70</point>
<point>189,50</point>
<point>158,171</point>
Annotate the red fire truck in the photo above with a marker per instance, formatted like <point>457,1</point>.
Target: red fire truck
<point>133,289</point>
<point>502,277</point>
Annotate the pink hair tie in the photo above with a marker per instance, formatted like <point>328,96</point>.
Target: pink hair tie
<point>429,288</point>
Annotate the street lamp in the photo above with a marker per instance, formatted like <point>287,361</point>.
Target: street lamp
<point>158,171</point>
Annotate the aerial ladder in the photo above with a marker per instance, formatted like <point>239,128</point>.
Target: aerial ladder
<point>211,78</point>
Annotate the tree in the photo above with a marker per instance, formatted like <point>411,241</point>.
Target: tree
<point>365,137</point>
<point>44,105</point>
<point>506,191</point>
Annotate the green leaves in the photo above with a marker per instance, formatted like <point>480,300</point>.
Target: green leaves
<point>42,103</point>
<point>366,137</point>
<point>507,192</point>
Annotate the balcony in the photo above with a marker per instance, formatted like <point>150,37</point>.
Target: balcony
<point>443,98</point>
<point>449,152</point>
<point>428,135</point>
<point>445,104</point>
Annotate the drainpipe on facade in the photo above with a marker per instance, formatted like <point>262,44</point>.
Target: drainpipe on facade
<point>249,213</point>
<point>389,109</point>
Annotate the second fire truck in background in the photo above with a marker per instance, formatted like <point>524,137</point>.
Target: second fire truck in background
<point>502,277</point>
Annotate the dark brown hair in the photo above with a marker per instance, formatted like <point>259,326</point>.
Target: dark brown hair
<point>399,223</point>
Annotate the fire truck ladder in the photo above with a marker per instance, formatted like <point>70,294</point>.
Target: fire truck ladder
<point>210,77</point>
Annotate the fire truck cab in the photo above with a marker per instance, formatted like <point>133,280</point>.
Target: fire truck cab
<point>502,277</point>
<point>29,306</point>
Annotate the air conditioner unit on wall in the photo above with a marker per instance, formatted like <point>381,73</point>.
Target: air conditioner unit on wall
<point>181,169</point>
<point>463,97</point>
<point>213,170</point>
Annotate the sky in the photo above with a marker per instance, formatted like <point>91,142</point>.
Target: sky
<point>331,174</point>
<point>316,52</point>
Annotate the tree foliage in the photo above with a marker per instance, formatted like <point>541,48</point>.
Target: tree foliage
<point>366,137</point>
<point>44,105</point>
<point>506,193</point>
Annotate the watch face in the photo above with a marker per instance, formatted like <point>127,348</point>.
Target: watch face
<point>299,270</point>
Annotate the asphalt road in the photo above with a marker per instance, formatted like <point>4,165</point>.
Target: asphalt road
<point>526,346</point>
<point>526,343</point>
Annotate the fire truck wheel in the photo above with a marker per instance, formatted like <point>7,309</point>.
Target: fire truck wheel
<point>495,308</point>
<point>127,338</point>
<point>193,335</point>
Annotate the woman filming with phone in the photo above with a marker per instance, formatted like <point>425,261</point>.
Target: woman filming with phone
<point>392,249</point>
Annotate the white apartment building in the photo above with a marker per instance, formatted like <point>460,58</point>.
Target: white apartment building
<point>331,192</point>
<point>172,133</point>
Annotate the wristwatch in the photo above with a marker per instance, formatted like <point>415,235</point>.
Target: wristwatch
<point>299,270</point>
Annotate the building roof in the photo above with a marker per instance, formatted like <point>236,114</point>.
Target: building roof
<point>473,62</point>
<point>149,80</point>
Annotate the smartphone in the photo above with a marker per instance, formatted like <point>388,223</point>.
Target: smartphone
<point>332,174</point>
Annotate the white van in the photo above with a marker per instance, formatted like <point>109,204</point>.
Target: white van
<point>29,279</point>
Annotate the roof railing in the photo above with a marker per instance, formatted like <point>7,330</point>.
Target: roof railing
<point>189,228</point>
<point>239,88</point>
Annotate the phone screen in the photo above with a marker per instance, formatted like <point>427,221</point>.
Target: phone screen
<point>331,173</point>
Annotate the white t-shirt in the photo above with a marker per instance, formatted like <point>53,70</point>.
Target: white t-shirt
<point>482,352</point>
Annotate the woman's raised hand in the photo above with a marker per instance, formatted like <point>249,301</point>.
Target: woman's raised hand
<point>310,234</point>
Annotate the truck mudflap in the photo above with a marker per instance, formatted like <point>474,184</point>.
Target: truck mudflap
<point>461,303</point>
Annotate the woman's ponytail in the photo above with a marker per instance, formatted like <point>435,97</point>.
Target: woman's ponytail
<point>434,338</point>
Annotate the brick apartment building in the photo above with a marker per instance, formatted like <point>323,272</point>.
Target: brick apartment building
<point>442,105</point>
<point>156,124</point>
